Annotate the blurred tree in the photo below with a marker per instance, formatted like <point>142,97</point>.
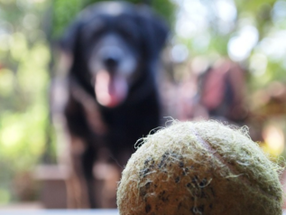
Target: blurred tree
<point>248,32</point>
<point>24,58</point>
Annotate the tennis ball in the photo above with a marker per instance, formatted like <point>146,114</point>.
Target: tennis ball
<point>199,168</point>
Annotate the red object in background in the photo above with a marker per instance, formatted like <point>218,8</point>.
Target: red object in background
<point>1,66</point>
<point>222,91</point>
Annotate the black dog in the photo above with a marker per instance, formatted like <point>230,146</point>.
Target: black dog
<point>112,52</point>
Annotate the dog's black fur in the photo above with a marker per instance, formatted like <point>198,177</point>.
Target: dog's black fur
<point>122,42</point>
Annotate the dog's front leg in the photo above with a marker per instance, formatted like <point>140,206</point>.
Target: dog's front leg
<point>87,162</point>
<point>78,185</point>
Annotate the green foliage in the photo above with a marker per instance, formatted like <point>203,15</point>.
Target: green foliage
<point>266,16</point>
<point>64,12</point>
<point>24,115</point>
<point>24,78</point>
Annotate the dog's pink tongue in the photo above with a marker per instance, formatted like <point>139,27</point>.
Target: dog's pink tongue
<point>110,90</point>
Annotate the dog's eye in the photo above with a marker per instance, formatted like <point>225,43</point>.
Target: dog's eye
<point>128,34</point>
<point>128,29</point>
<point>93,30</point>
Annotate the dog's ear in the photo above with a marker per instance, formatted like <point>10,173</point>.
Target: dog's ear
<point>69,42</point>
<point>154,29</point>
<point>71,38</point>
<point>70,46</point>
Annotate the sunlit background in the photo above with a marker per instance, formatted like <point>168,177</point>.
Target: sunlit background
<point>244,36</point>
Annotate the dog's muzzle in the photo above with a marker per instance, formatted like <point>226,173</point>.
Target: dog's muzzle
<point>112,65</point>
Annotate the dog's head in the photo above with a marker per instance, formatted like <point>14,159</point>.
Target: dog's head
<point>111,45</point>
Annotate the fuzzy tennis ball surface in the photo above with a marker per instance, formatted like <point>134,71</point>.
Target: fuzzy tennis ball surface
<point>199,168</point>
